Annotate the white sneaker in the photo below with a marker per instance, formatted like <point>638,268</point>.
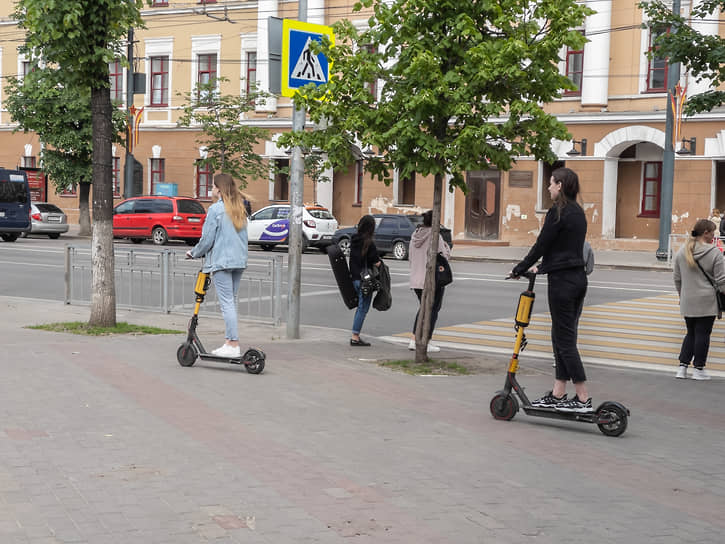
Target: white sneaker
<point>227,351</point>
<point>432,348</point>
<point>411,345</point>
<point>681,372</point>
<point>700,374</point>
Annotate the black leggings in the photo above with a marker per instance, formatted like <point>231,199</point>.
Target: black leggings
<point>697,340</point>
<point>566,291</point>
<point>437,302</point>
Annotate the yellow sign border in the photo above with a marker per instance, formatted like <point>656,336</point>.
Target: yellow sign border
<point>292,24</point>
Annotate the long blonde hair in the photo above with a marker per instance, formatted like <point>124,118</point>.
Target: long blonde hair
<point>232,198</point>
<point>701,227</point>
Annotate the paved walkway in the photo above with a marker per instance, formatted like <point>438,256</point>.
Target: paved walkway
<point>109,440</point>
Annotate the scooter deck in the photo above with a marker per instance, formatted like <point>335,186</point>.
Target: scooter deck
<point>216,358</point>
<point>588,417</point>
<point>338,262</point>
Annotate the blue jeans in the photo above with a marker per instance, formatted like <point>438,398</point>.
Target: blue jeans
<point>226,283</point>
<point>363,305</point>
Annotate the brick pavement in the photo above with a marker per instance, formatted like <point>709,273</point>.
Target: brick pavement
<point>109,440</point>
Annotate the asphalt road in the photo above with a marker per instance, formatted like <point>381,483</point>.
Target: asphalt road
<point>34,267</point>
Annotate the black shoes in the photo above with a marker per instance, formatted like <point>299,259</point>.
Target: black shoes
<point>360,342</point>
<point>548,401</point>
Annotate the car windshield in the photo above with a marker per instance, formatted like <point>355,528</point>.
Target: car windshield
<point>318,213</point>
<point>48,208</point>
<point>190,206</point>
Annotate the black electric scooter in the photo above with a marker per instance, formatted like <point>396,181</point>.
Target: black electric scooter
<point>253,359</point>
<point>610,417</point>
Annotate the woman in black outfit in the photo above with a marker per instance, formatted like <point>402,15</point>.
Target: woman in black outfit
<point>560,245</point>
<point>363,255</point>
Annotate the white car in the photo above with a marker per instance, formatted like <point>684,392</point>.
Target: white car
<point>269,227</point>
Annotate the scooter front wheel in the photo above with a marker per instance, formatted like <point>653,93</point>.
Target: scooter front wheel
<point>504,406</point>
<point>253,360</point>
<point>186,354</point>
<point>612,418</point>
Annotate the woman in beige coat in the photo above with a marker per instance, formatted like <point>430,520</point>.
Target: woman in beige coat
<point>698,304</point>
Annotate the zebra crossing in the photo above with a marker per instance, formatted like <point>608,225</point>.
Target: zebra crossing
<point>640,333</point>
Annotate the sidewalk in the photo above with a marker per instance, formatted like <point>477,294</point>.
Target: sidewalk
<point>110,440</point>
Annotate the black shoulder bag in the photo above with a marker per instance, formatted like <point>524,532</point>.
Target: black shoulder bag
<point>719,296</point>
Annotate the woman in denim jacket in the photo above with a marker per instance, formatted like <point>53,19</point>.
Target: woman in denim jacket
<point>224,244</point>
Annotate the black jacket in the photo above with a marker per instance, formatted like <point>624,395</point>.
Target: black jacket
<point>560,241</point>
<point>357,262</point>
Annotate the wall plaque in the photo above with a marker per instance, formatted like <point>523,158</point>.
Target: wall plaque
<point>520,178</point>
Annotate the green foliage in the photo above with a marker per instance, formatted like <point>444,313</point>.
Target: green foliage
<point>78,327</point>
<point>60,114</point>
<point>228,140</point>
<point>703,55</point>
<point>462,85</point>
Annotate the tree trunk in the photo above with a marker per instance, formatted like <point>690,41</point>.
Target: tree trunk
<point>426,301</point>
<point>103,291</point>
<point>84,217</point>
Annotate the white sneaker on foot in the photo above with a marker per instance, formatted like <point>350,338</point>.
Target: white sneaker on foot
<point>432,348</point>
<point>411,345</point>
<point>700,374</point>
<point>681,372</point>
<point>227,351</point>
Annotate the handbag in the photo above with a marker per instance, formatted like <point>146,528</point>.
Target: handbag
<point>369,280</point>
<point>719,296</point>
<point>444,274</point>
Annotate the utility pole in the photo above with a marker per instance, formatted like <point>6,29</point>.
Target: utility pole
<point>668,157</point>
<point>297,173</point>
<point>128,166</point>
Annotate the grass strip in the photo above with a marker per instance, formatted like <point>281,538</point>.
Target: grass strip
<point>432,366</point>
<point>81,327</point>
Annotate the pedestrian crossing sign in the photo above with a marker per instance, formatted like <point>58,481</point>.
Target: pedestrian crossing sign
<point>300,65</point>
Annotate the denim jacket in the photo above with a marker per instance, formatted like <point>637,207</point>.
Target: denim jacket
<point>223,247</point>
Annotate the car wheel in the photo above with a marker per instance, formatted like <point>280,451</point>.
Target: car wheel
<point>9,236</point>
<point>25,235</point>
<point>344,245</point>
<point>305,243</point>
<point>159,236</point>
<point>137,240</point>
<point>54,236</point>
<point>267,247</point>
<point>400,250</point>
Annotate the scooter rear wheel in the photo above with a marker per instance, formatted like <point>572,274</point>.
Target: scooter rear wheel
<point>504,406</point>
<point>186,354</point>
<point>253,360</point>
<point>617,416</point>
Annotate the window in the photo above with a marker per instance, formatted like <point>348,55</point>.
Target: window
<point>72,190</point>
<point>126,207</point>
<point>189,206</point>
<point>204,178</point>
<point>251,70</point>
<point>574,69</point>
<point>158,168</point>
<point>207,71</point>
<point>160,3</point>
<point>281,180</point>
<point>656,68</point>
<point>116,170</point>
<point>29,162</point>
<point>406,190</point>
<point>115,74</point>
<point>267,213</point>
<point>27,68</point>
<point>159,81</point>
<point>357,200</point>
<point>651,186</point>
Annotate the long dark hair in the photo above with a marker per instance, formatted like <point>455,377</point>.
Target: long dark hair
<point>569,188</point>
<point>366,229</point>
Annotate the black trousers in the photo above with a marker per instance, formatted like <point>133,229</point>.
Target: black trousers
<point>697,340</point>
<point>437,303</point>
<point>566,291</point>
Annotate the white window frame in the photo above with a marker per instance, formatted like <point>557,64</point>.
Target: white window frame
<point>158,47</point>
<point>204,45</point>
<point>249,45</point>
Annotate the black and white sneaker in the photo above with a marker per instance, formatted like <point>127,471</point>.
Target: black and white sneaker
<point>548,401</point>
<point>575,405</point>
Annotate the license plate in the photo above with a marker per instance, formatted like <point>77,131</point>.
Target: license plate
<point>54,219</point>
<point>326,237</point>
<point>194,220</point>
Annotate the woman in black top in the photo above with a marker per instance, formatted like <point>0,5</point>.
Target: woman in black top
<point>363,255</point>
<point>560,245</point>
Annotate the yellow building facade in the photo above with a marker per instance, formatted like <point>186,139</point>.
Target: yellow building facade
<point>619,110</point>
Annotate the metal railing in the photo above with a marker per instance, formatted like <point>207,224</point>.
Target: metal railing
<point>164,282</point>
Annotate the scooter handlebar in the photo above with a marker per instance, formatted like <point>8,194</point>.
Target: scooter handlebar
<point>531,276</point>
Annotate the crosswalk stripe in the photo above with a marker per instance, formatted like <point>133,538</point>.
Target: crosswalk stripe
<point>641,333</point>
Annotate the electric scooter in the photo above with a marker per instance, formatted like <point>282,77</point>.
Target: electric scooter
<point>610,417</point>
<point>253,359</point>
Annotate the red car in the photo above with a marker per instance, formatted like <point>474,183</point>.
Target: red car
<point>160,218</point>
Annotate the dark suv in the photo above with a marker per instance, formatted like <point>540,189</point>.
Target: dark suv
<point>392,234</point>
<point>160,218</point>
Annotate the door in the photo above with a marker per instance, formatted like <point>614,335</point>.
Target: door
<point>482,204</point>
<point>386,232</point>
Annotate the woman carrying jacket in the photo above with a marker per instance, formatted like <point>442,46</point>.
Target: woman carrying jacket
<point>418,259</point>
<point>363,256</point>
<point>560,244</point>
<point>698,304</point>
<point>224,244</point>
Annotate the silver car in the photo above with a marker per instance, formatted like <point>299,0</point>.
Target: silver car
<point>47,219</point>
